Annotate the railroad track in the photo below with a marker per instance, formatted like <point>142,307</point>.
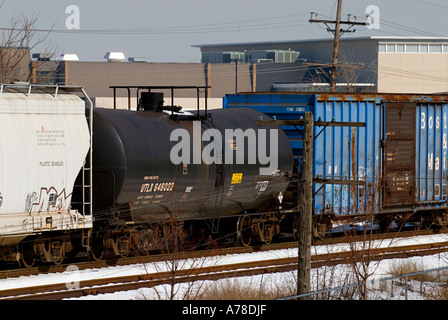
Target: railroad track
<point>49,268</point>
<point>215,272</point>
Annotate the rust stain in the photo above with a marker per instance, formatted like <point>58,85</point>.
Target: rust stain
<point>364,96</point>
<point>383,97</point>
<point>399,164</point>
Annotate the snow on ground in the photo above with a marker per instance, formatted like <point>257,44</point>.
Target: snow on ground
<point>267,281</point>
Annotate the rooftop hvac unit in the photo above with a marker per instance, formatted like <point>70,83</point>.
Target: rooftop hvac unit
<point>69,57</point>
<point>114,56</point>
<point>137,59</point>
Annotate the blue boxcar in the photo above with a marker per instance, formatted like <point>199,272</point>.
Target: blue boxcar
<point>401,154</point>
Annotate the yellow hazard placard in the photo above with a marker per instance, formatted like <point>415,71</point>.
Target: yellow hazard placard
<point>236,178</point>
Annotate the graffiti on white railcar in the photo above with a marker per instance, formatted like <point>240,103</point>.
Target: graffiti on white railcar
<point>48,200</point>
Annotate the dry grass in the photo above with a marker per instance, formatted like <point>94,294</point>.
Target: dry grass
<point>232,289</point>
<point>437,293</point>
<point>406,267</point>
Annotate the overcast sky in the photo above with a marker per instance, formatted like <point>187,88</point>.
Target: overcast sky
<point>165,30</point>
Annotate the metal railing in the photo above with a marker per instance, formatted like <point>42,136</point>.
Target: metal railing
<point>406,277</point>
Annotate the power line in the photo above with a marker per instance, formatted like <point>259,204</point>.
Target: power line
<point>410,29</point>
<point>338,32</point>
<point>431,4</point>
<point>246,25</point>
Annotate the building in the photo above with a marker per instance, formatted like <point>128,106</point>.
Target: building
<point>391,64</point>
<point>15,64</point>
<point>223,78</point>
<point>251,56</point>
<point>383,64</point>
<point>97,77</point>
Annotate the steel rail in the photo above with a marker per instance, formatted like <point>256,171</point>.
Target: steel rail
<point>109,285</point>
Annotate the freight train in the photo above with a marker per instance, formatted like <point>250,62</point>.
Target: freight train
<point>83,178</point>
<point>75,178</point>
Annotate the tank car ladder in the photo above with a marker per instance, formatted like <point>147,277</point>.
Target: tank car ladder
<point>87,175</point>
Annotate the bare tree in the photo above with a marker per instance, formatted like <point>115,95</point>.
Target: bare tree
<point>17,42</point>
<point>172,239</point>
<point>350,72</point>
<point>362,242</point>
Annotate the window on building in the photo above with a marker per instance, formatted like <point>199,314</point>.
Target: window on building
<point>390,47</point>
<point>435,48</point>
<point>423,48</point>
<point>399,47</point>
<point>411,47</point>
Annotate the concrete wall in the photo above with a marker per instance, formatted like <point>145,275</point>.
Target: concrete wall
<point>221,77</point>
<point>96,77</point>
<point>413,72</point>
<point>185,103</point>
<point>268,73</point>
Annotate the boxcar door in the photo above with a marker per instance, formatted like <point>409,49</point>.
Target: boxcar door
<point>399,154</point>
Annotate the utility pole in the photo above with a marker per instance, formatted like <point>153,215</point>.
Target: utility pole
<point>306,215</point>
<point>338,32</point>
<point>236,74</point>
<point>337,35</point>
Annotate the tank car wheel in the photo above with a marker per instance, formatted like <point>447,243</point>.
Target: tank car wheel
<point>122,244</point>
<point>96,254</point>
<point>27,257</point>
<point>97,248</point>
<point>60,258</point>
<point>267,229</point>
<point>244,230</point>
